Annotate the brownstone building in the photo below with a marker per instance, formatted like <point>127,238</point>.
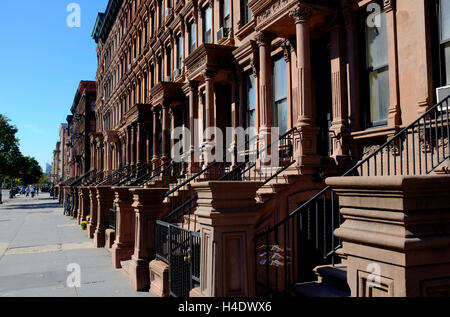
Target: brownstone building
<point>354,86</point>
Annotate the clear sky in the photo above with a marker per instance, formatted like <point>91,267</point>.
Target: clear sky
<point>42,61</point>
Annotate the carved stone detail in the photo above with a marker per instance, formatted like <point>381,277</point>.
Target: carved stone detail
<point>301,14</point>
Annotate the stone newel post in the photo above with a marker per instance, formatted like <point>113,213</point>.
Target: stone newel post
<point>227,214</point>
<point>92,224</point>
<point>123,246</point>
<point>395,234</point>
<point>105,197</point>
<point>148,207</point>
<point>84,203</point>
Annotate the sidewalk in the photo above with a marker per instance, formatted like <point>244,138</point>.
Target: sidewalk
<point>37,243</point>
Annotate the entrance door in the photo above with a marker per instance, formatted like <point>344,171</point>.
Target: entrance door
<point>321,85</point>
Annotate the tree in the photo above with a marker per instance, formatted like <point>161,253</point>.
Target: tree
<point>9,149</point>
<point>31,171</point>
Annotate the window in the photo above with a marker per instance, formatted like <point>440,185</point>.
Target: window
<point>140,42</point>
<point>169,60</point>
<point>161,12</point>
<point>249,104</point>
<point>152,76</point>
<point>152,17</point>
<point>145,87</point>
<point>443,13</point>
<point>179,52</point>
<point>192,37</point>
<point>146,33</point>
<point>279,94</point>
<point>207,28</point>
<point>160,69</point>
<point>246,13</point>
<point>377,72</point>
<point>225,14</point>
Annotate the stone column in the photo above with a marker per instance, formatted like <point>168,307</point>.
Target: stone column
<point>156,128</point>
<point>105,197</point>
<point>339,92</point>
<point>227,214</point>
<point>265,85</point>
<point>147,144</point>
<point>165,132</point>
<point>92,225</point>
<point>193,114</point>
<point>139,141</point>
<point>305,141</point>
<point>123,246</point>
<point>394,119</point>
<point>209,100</point>
<point>395,234</point>
<point>84,203</point>
<point>80,205</point>
<point>133,145</point>
<point>148,207</point>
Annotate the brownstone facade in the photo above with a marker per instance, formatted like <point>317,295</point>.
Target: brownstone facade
<point>338,78</point>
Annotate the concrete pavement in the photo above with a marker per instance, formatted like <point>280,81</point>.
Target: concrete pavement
<point>37,243</point>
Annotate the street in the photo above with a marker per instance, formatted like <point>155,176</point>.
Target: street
<point>37,243</point>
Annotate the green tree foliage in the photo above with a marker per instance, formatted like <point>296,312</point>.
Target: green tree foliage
<point>9,149</point>
<point>30,171</point>
<point>12,163</point>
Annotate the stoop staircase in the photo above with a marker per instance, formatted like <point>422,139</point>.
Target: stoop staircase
<point>299,256</point>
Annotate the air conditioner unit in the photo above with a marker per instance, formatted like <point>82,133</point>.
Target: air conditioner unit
<point>222,34</point>
<point>167,78</point>
<point>176,72</point>
<point>442,93</point>
<point>168,11</point>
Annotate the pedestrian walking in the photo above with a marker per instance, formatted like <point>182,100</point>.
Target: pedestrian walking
<point>32,190</point>
<point>28,191</point>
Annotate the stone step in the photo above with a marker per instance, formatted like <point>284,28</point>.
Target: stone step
<point>332,282</point>
<point>317,289</point>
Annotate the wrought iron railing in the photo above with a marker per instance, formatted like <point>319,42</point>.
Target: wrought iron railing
<point>95,178</point>
<point>166,172</point>
<point>254,169</point>
<point>182,201</point>
<point>79,181</point>
<point>180,249</point>
<point>115,176</point>
<point>112,218</point>
<point>287,253</point>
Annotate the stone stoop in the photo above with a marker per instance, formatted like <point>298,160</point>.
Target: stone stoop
<point>331,282</point>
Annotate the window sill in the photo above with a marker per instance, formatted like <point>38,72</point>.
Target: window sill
<point>245,30</point>
<point>374,132</point>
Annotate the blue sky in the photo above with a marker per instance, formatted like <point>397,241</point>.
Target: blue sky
<point>42,61</point>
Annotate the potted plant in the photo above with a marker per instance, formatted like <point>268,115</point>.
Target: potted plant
<point>84,225</point>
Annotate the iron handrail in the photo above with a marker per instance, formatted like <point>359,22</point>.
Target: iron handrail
<point>426,129</point>
<point>203,171</point>
<point>359,165</point>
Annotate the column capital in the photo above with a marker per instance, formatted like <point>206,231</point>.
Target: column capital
<point>301,14</point>
<point>263,38</point>
<point>193,85</point>
<point>209,74</point>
